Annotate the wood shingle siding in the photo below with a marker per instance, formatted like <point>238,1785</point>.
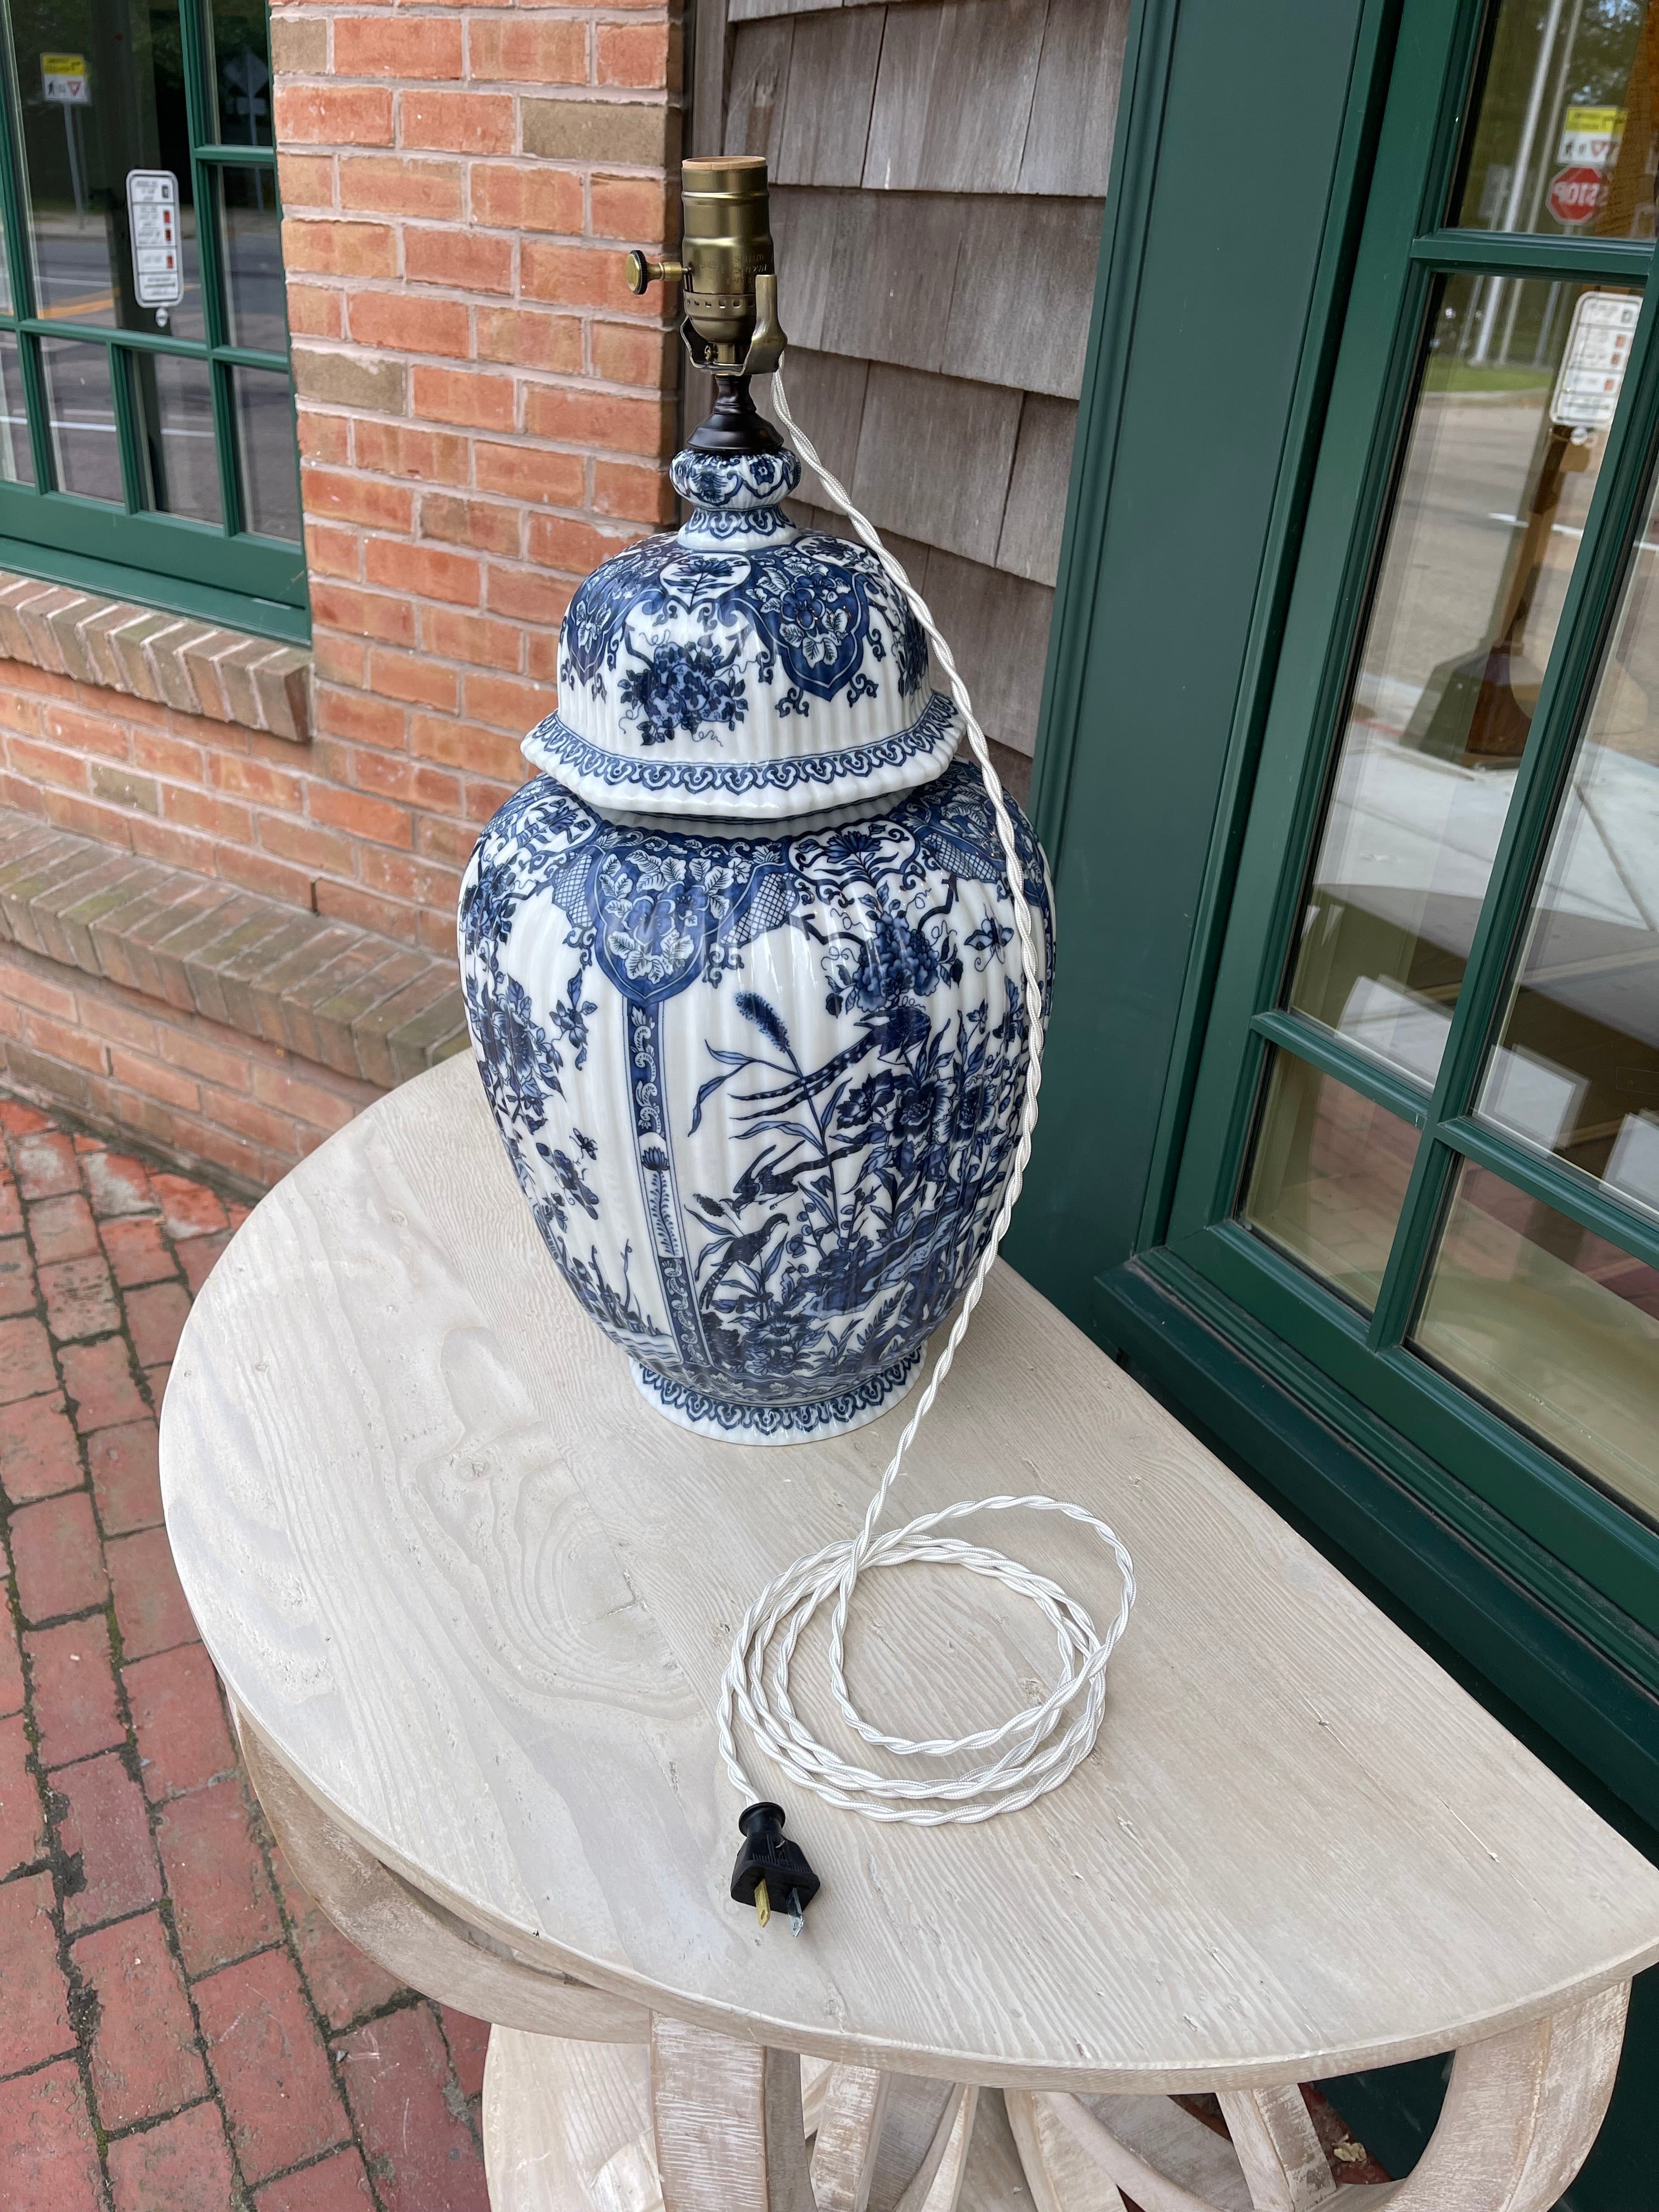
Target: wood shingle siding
<point>940,169</point>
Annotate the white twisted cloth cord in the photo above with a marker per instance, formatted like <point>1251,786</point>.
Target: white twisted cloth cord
<point>1035,1750</point>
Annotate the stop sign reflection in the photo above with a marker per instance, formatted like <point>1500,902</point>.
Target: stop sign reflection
<point>1577,194</point>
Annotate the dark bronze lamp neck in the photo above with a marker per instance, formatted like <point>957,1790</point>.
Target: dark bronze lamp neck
<point>737,425</point>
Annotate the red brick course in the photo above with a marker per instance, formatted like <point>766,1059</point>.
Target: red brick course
<point>179,2026</point>
<point>482,415</point>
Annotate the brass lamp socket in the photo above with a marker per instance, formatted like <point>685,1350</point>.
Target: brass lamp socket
<point>726,270</point>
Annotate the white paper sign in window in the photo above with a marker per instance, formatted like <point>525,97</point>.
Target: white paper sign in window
<point>158,263</point>
<point>1598,347</point>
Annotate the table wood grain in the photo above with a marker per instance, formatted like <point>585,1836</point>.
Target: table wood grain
<point>477,1597</point>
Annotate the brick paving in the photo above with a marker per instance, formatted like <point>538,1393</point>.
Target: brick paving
<point>180,2029</point>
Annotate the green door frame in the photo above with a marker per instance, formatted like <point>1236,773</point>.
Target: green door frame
<point>1230,352</point>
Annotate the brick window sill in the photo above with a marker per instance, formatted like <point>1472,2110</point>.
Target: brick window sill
<point>171,659</point>
<point>327,992</point>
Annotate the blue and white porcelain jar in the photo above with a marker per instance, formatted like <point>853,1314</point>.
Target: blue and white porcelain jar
<point>740,970</point>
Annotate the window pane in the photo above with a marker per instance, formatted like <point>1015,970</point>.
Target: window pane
<point>1557,1329</point>
<point>81,409</point>
<point>83,134</point>
<point>7,303</point>
<point>1498,471</point>
<point>250,226</point>
<point>1577,1070</point>
<point>1329,1177</point>
<point>1562,139</point>
<point>16,458</point>
<point>264,434</point>
<point>242,54</point>
<point>175,404</point>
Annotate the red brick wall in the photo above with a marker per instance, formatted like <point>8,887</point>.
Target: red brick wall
<point>483,415</point>
<point>484,409</point>
<point>198,794</point>
<point>191,1089</point>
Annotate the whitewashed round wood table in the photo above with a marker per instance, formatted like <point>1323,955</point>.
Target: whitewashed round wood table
<point>471,1599</point>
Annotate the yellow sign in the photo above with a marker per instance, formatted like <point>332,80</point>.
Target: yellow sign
<point>1591,135</point>
<point>63,82</point>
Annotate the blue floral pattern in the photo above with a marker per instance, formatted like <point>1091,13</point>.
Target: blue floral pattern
<point>932,737</point>
<point>794,657</point>
<point>813,612</point>
<point>767,1175</point>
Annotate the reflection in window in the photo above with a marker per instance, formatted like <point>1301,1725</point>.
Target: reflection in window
<point>264,433</point>
<point>1578,1071</point>
<point>77,154</point>
<point>1564,134</point>
<point>242,54</point>
<point>1500,467</point>
<point>175,398</point>
<point>81,406</point>
<point>1329,1177</point>
<point>16,458</point>
<point>256,307</point>
<point>1555,1326</point>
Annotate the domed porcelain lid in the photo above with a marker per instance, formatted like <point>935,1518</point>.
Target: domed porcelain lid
<point>741,666</point>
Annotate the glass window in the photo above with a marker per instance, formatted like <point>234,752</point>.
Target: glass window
<point>264,433</point>
<point>16,460</point>
<point>251,226</point>
<point>176,396</point>
<point>1329,1177</point>
<point>1555,1326</point>
<point>1577,1072</point>
<point>1562,140</point>
<point>1499,470</point>
<point>81,409</point>
<point>241,76</point>
<point>127,112</point>
<point>142,237</point>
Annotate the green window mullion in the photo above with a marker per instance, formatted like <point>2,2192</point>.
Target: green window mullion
<point>204,186</point>
<point>1326,1052</point>
<point>1586,614</point>
<point>1517,253</point>
<point>134,473</point>
<point>34,400</point>
<point>100,334</point>
<point>1587,1202</point>
<point>250,357</point>
<point>224,430</point>
<point>241,157</point>
<point>148,342</point>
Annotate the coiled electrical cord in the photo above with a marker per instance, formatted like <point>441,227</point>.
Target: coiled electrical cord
<point>1035,1750</point>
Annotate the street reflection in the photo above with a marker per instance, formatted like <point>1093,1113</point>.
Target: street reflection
<point>1578,1071</point>
<point>1564,140</point>
<point>1501,463</point>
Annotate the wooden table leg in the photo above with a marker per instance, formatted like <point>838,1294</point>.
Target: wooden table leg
<point>726,2119</point>
<point>568,2127</point>
<point>1522,2111</point>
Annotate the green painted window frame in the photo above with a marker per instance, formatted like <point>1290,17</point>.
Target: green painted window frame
<point>223,573</point>
<point>1595,1563</point>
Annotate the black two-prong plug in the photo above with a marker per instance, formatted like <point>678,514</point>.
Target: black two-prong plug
<point>770,1867</point>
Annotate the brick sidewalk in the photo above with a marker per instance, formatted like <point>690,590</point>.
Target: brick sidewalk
<point>180,2029</point>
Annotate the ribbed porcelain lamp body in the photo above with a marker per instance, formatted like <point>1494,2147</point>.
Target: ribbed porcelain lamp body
<point>740,970</point>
